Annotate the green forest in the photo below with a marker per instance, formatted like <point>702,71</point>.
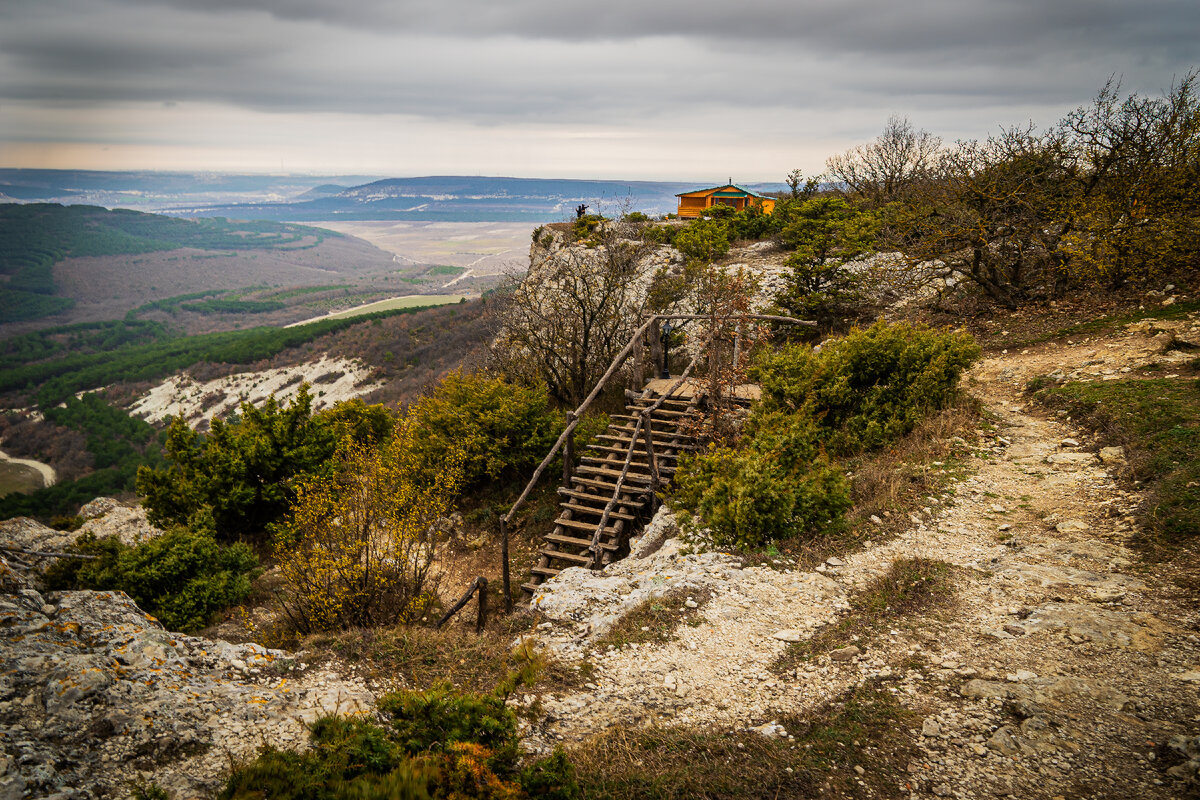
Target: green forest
<point>51,367</point>
<point>134,350</point>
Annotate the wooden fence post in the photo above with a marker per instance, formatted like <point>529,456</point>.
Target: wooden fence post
<point>478,585</point>
<point>656,349</point>
<point>648,433</point>
<point>504,564</point>
<point>637,373</point>
<point>481,619</point>
<point>569,453</point>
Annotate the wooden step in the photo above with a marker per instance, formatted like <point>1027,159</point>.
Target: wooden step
<point>559,538</point>
<point>614,474</point>
<point>656,413</point>
<point>655,421</point>
<point>599,498</point>
<point>590,527</point>
<point>670,441</point>
<point>549,572</point>
<point>660,439</point>
<point>633,489</point>
<point>639,452</point>
<point>603,499</point>
<point>614,514</point>
<point>633,465</point>
<point>559,554</point>
<point>610,451</point>
<point>670,401</point>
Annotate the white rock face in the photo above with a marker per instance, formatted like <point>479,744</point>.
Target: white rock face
<point>105,517</point>
<point>201,401</point>
<point>108,517</point>
<point>657,564</point>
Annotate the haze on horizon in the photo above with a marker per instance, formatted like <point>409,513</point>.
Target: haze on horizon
<point>667,89</point>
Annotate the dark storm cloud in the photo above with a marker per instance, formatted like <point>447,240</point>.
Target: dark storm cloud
<point>624,62</point>
<point>881,26</point>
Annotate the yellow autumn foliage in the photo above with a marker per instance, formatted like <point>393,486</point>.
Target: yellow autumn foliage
<point>357,547</point>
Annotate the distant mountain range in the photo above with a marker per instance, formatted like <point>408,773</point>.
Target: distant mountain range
<point>158,191</point>
<point>450,198</point>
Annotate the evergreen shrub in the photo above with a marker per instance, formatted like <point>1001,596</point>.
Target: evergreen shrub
<point>871,387</point>
<point>183,577</point>
<point>502,430</point>
<point>440,743</point>
<point>777,485</point>
<point>857,393</point>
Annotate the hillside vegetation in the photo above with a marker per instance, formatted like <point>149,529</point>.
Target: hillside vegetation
<point>34,237</point>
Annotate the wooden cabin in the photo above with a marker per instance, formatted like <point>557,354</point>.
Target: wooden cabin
<point>691,204</point>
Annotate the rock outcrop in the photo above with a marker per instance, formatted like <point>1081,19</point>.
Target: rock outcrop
<point>94,694</point>
<point>26,541</point>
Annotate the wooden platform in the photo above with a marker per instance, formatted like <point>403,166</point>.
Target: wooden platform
<point>693,388</point>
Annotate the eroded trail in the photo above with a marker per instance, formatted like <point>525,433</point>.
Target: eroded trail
<point>1065,668</point>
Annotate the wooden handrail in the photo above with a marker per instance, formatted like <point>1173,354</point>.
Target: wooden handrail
<point>612,501</point>
<point>642,424</point>
<point>477,585</point>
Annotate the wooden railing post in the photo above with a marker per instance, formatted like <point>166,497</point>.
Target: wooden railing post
<point>478,585</point>
<point>637,374</point>
<point>481,618</point>
<point>656,348</point>
<point>648,433</point>
<point>504,564</point>
<point>569,453</point>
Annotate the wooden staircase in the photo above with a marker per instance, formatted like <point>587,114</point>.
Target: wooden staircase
<point>612,491</point>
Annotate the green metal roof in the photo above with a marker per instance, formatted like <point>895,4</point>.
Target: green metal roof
<point>717,189</point>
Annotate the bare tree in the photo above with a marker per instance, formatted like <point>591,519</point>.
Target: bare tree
<point>575,309</point>
<point>1130,167</point>
<point>990,217</point>
<point>880,171</point>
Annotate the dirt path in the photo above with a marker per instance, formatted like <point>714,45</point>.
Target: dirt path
<point>47,473</point>
<point>1065,670</point>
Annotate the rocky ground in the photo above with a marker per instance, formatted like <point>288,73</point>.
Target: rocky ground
<point>95,695</point>
<point>1066,668</point>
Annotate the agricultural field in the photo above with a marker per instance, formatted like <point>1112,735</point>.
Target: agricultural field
<point>486,249</point>
<point>392,304</point>
<point>66,265</point>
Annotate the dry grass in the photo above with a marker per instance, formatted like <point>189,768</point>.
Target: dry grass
<point>865,727</point>
<point>419,656</point>
<point>910,587</point>
<point>898,479</point>
<point>657,620</point>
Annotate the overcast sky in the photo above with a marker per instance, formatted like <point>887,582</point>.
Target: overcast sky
<point>655,89</point>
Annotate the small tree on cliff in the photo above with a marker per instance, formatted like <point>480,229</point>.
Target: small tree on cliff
<point>575,309</point>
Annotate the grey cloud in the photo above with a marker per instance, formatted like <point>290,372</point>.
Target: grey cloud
<point>838,66</point>
<point>876,26</point>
